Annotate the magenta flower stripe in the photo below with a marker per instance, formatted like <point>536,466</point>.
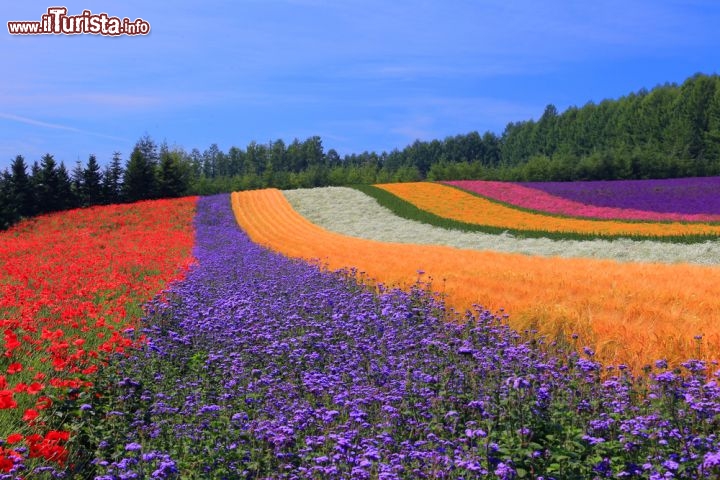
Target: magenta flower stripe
<point>575,200</point>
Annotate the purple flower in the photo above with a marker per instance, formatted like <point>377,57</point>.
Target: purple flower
<point>254,355</point>
<point>677,195</point>
<point>711,460</point>
<point>504,471</point>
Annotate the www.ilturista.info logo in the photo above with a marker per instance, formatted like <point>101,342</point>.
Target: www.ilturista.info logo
<point>56,21</point>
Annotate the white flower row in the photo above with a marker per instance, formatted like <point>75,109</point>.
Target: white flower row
<point>350,212</point>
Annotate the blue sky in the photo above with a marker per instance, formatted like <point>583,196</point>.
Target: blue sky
<point>364,75</point>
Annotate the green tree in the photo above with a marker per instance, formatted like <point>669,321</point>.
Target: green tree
<point>236,160</point>
<point>210,159</point>
<point>112,187</point>
<point>139,181</point>
<point>64,193</point>
<point>91,188</point>
<point>149,149</point>
<point>20,188</point>
<point>47,185</point>
<point>76,178</point>
<point>8,207</point>
<point>312,150</point>
<point>172,175</point>
<point>295,156</point>
<point>279,156</point>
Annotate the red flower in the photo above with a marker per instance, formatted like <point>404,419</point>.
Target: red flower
<point>6,463</point>
<point>43,403</point>
<point>14,438</point>
<point>68,278</point>
<point>57,435</point>
<point>7,400</point>
<point>30,415</point>
<point>20,388</point>
<point>14,368</point>
<point>34,388</point>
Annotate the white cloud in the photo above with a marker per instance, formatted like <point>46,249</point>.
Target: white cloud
<point>55,126</point>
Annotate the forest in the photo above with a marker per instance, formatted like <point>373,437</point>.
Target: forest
<point>669,131</point>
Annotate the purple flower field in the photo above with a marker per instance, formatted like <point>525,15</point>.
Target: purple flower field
<point>699,195</point>
<point>258,366</point>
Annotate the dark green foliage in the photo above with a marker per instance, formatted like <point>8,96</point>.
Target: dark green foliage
<point>8,208</point>
<point>139,181</point>
<point>47,185</point>
<point>172,177</point>
<point>20,189</point>
<point>65,197</point>
<point>670,131</point>
<point>91,188</point>
<point>112,186</point>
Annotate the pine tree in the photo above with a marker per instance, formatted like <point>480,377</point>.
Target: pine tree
<point>112,181</point>
<point>77,179</point>
<point>8,207</point>
<point>172,175</point>
<point>139,179</point>
<point>21,189</point>
<point>65,197</point>
<point>47,185</point>
<point>91,182</point>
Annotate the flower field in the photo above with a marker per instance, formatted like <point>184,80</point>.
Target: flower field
<point>689,201</point>
<point>350,212</point>
<point>688,196</point>
<point>70,285</point>
<point>449,202</point>
<point>315,334</point>
<point>632,313</point>
<point>260,366</point>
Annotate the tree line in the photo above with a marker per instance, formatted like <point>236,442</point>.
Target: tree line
<point>669,131</point>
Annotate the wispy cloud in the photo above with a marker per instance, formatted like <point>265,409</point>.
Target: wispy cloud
<point>55,126</point>
<point>103,103</point>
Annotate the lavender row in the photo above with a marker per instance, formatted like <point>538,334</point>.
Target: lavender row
<point>258,366</point>
<point>699,195</point>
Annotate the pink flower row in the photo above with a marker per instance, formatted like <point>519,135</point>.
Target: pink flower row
<point>530,198</point>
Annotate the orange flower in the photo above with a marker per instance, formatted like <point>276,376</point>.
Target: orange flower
<point>629,312</point>
<point>455,204</point>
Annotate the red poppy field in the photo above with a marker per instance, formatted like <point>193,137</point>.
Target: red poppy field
<point>70,286</point>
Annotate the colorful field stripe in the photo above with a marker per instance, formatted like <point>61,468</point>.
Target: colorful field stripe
<point>632,313</point>
<point>530,196</point>
<point>452,203</point>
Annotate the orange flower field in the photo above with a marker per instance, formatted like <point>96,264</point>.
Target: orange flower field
<point>450,202</point>
<point>631,313</point>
